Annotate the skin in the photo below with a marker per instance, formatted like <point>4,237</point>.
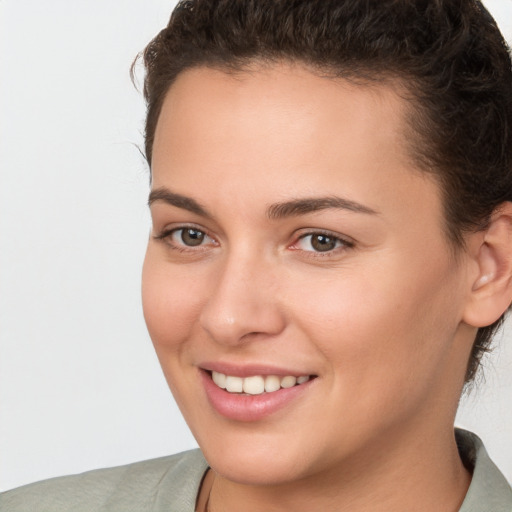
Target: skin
<point>380,319</point>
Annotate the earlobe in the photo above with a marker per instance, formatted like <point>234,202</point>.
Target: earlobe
<point>491,289</point>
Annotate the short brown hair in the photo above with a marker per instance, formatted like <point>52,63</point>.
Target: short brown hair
<point>449,54</point>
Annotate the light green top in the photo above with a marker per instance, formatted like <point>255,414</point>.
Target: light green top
<point>171,484</point>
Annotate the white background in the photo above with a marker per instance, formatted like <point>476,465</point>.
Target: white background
<point>80,386</point>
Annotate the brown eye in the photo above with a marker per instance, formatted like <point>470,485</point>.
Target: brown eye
<point>191,237</point>
<point>323,243</point>
<point>187,238</point>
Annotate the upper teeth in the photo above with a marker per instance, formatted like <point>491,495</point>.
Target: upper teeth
<point>257,384</point>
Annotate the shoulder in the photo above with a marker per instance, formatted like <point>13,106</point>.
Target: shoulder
<point>167,483</point>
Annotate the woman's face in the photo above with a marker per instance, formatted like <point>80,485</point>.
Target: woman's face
<point>292,237</point>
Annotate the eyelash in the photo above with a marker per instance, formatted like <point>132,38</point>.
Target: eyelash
<point>342,244</point>
<point>166,236</point>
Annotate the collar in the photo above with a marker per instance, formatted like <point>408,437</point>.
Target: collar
<point>489,490</point>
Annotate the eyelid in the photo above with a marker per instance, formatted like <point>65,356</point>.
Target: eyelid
<point>166,233</point>
<point>347,242</point>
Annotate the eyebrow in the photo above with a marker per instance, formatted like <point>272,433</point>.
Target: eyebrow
<point>275,211</point>
<point>304,206</point>
<point>178,200</point>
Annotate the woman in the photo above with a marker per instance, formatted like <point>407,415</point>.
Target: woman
<point>330,255</point>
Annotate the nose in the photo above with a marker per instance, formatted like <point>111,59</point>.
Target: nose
<point>243,304</point>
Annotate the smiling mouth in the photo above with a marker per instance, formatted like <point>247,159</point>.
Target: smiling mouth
<point>257,384</point>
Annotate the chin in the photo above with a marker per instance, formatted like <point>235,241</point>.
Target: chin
<point>256,458</point>
<point>247,469</point>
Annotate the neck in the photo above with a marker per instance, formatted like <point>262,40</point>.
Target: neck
<point>423,474</point>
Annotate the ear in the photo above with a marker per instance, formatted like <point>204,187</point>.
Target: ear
<point>491,283</point>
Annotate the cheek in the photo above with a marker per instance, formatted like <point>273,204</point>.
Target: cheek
<point>382,330</point>
<point>171,302</point>
<point>385,354</point>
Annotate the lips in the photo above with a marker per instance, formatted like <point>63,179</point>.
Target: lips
<point>252,394</point>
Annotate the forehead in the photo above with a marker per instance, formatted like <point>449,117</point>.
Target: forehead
<point>287,98</point>
<point>277,131</point>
